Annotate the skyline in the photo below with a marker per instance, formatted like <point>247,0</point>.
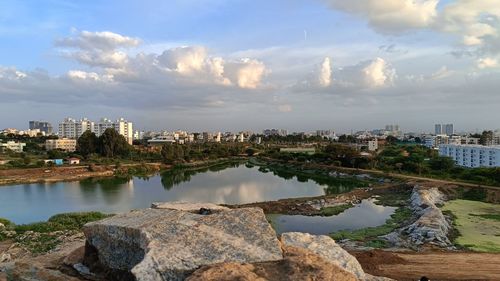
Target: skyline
<point>298,65</point>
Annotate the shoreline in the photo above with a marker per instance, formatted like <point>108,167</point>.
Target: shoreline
<point>21,176</point>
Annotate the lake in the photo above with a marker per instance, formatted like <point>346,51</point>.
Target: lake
<point>365,214</point>
<point>233,183</point>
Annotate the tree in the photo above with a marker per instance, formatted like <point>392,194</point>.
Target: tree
<point>486,138</point>
<point>87,143</point>
<point>112,144</point>
<point>441,163</point>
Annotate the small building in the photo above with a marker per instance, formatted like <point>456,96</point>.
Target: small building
<point>73,161</point>
<point>13,146</point>
<point>57,162</point>
<point>62,144</point>
<point>373,145</point>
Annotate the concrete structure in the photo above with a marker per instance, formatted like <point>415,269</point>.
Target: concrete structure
<point>444,129</point>
<point>373,145</point>
<point>73,161</point>
<point>472,156</point>
<point>43,126</point>
<point>13,146</point>
<point>73,129</point>
<point>62,144</point>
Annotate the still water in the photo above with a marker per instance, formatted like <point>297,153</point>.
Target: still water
<point>231,184</point>
<point>365,214</point>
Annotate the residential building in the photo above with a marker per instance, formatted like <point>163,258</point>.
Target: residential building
<point>472,156</point>
<point>13,146</point>
<point>373,145</point>
<point>73,129</point>
<point>43,126</point>
<point>61,144</point>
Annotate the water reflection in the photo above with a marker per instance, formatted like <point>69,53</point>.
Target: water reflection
<point>233,183</point>
<point>365,214</point>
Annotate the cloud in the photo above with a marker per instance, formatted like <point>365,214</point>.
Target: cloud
<point>367,74</point>
<point>391,16</point>
<point>103,41</point>
<point>487,63</point>
<point>325,75</point>
<point>246,73</point>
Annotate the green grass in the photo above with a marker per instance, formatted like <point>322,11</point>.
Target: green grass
<point>334,210</point>
<point>477,223</point>
<point>495,217</point>
<point>6,222</point>
<point>42,237</point>
<point>370,234</point>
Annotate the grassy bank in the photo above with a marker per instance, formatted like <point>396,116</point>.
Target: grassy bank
<point>41,237</point>
<point>477,223</point>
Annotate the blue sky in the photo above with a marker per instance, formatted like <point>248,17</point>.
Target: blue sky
<point>213,65</point>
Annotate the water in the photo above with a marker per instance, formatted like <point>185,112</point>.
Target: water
<point>229,184</point>
<point>365,214</point>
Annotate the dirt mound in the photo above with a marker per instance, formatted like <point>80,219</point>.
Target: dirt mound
<point>298,264</point>
<point>371,260</point>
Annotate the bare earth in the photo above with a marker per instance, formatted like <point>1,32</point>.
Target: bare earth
<point>434,265</point>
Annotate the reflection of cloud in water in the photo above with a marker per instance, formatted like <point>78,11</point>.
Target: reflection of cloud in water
<point>366,214</point>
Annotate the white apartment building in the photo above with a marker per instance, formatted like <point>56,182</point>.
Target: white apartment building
<point>472,156</point>
<point>373,145</point>
<point>13,146</point>
<point>73,129</point>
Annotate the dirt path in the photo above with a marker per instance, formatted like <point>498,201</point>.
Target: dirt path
<point>434,265</point>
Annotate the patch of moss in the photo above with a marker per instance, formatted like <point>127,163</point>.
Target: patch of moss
<point>38,244</point>
<point>75,221</point>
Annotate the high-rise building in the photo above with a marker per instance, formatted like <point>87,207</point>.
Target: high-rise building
<point>438,129</point>
<point>444,129</point>
<point>73,129</point>
<point>43,126</point>
<point>449,130</point>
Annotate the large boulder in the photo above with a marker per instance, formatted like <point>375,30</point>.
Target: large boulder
<point>297,265</point>
<point>325,247</point>
<point>166,244</point>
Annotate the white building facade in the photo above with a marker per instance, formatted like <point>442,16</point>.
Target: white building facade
<point>472,156</point>
<point>73,129</point>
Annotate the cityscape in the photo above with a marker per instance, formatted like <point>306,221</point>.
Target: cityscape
<point>216,140</point>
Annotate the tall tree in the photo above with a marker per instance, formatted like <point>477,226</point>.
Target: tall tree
<point>87,143</point>
<point>112,144</point>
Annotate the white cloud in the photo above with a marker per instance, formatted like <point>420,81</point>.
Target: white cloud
<point>391,16</point>
<point>325,75</point>
<point>378,73</point>
<point>104,41</point>
<point>246,73</point>
<point>487,63</point>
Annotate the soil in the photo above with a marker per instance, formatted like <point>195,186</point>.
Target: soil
<point>435,265</point>
<point>54,174</point>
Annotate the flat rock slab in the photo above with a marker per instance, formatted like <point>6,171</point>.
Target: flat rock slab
<point>187,206</point>
<point>165,244</point>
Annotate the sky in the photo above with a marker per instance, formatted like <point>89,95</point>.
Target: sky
<point>226,65</point>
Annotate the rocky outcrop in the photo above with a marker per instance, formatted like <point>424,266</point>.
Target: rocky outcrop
<point>325,247</point>
<point>430,227</point>
<point>167,244</point>
<point>298,264</point>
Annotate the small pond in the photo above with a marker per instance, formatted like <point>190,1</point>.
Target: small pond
<point>365,214</point>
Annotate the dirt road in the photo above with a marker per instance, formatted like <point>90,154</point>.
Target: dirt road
<point>434,265</point>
